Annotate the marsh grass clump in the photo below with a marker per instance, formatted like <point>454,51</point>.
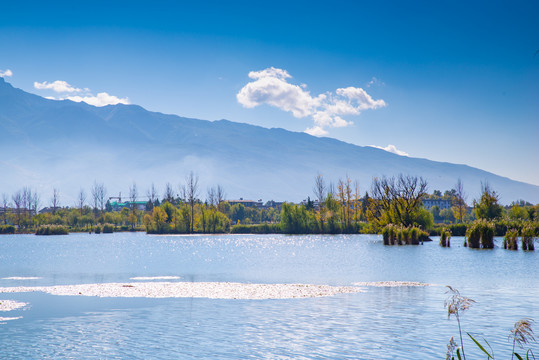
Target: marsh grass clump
<point>445,237</point>
<point>487,235</point>
<point>528,235</point>
<point>52,230</point>
<point>480,234</point>
<point>413,236</point>
<point>510,241</point>
<point>7,229</point>
<point>473,236</point>
<point>108,229</point>
<point>400,235</point>
<point>389,234</point>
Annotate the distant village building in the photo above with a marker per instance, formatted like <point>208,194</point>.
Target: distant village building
<point>315,203</point>
<point>256,204</point>
<point>48,210</point>
<point>138,205</point>
<point>442,204</point>
<point>246,203</point>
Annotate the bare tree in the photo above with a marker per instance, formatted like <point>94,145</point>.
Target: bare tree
<point>5,204</point>
<point>460,201</point>
<point>95,196</point>
<point>36,200</point>
<point>99,194</point>
<point>397,199</point>
<point>81,199</point>
<point>220,194</point>
<point>190,193</point>
<point>152,194</point>
<point>211,197</point>
<point>319,188</point>
<point>169,193</point>
<point>215,195</point>
<point>330,189</point>
<point>18,201</point>
<point>55,200</point>
<point>133,194</point>
<point>26,198</point>
<point>102,196</point>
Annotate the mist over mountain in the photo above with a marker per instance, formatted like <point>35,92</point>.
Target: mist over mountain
<point>48,143</point>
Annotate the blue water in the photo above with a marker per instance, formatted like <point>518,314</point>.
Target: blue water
<point>380,323</point>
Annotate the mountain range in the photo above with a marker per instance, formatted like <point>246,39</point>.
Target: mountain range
<point>46,144</point>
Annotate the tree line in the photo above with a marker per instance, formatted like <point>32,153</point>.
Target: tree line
<point>338,207</point>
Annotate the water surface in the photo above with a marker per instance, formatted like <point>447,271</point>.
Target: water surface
<point>380,323</point>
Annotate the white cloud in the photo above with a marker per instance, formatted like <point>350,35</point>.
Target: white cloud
<point>375,81</point>
<point>101,99</point>
<point>316,131</point>
<point>270,72</point>
<point>270,86</point>
<point>58,86</point>
<point>7,73</point>
<point>392,149</point>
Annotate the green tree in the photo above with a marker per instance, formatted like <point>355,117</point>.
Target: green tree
<point>488,207</point>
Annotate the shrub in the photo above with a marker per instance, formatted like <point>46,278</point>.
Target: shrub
<point>52,230</point>
<point>108,229</point>
<point>7,229</point>
<point>256,229</point>
<point>97,229</point>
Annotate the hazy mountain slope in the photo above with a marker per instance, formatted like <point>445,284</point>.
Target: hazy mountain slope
<point>46,143</point>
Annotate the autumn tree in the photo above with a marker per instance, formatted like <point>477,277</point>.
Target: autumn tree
<point>459,201</point>
<point>319,191</point>
<point>4,207</point>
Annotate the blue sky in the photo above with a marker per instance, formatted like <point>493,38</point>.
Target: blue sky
<point>447,81</point>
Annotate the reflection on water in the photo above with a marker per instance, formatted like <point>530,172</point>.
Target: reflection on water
<point>381,323</point>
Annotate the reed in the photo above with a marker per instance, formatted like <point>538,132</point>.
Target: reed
<point>480,234</point>
<point>510,241</point>
<point>400,235</point>
<point>521,334</point>
<point>445,237</point>
<point>528,235</point>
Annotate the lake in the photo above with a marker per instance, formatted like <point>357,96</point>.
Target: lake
<point>379,323</point>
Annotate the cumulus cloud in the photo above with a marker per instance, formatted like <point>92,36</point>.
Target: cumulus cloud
<point>68,91</point>
<point>58,86</point>
<point>101,99</point>
<point>6,73</point>
<point>270,86</point>
<point>392,149</point>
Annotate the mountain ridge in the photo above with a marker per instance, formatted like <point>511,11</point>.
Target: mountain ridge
<point>50,143</point>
